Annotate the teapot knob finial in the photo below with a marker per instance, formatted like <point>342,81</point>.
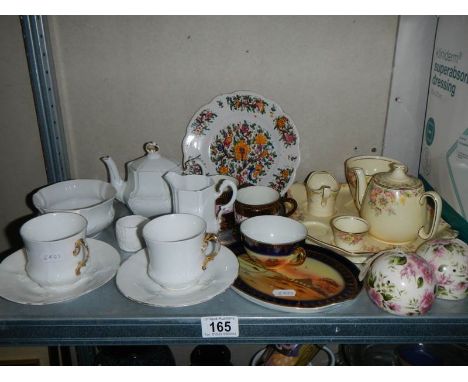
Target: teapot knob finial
<point>151,147</point>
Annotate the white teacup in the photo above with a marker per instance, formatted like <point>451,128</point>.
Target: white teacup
<point>129,232</point>
<point>322,189</point>
<point>56,249</point>
<point>177,249</point>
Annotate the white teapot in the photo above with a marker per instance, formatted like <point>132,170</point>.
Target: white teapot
<point>145,192</point>
<point>394,205</point>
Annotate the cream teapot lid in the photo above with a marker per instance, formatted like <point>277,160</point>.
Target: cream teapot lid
<point>397,178</point>
<point>152,161</point>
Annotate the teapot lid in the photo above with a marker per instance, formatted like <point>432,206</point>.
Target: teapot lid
<point>152,161</point>
<point>397,178</point>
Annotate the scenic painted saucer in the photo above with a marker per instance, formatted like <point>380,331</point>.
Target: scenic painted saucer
<point>325,280</point>
<point>135,284</point>
<point>16,286</point>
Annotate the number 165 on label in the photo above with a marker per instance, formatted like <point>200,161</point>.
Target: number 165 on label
<point>220,326</point>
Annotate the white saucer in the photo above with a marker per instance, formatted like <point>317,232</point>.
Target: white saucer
<point>16,286</point>
<point>134,283</point>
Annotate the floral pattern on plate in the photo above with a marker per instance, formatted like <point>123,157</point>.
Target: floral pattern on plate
<point>246,136</point>
<point>243,149</point>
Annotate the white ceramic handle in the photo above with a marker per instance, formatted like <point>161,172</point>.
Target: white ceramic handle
<point>225,183</point>
<point>437,213</point>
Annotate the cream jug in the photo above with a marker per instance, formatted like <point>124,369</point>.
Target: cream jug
<point>145,192</point>
<point>394,204</point>
<point>197,194</point>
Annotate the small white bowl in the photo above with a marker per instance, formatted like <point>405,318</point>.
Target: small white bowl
<point>90,198</point>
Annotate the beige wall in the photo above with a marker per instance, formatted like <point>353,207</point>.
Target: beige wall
<point>22,166</point>
<point>127,80</point>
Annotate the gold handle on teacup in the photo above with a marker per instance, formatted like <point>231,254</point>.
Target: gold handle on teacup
<point>214,238</point>
<point>300,254</point>
<point>81,246</point>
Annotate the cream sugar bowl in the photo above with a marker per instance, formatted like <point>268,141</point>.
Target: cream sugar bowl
<point>449,261</point>
<point>369,165</point>
<point>401,283</point>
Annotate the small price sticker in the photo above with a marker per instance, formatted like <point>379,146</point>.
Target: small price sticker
<point>220,326</point>
<point>51,258</point>
<point>284,292</point>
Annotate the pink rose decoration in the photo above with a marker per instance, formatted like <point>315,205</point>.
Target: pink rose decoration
<point>375,297</point>
<point>461,286</point>
<point>409,270</point>
<point>427,301</point>
<point>395,307</point>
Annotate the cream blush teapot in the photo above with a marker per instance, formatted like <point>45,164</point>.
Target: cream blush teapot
<point>394,204</point>
<point>145,192</point>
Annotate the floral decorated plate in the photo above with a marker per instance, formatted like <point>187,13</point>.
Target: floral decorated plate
<point>246,136</point>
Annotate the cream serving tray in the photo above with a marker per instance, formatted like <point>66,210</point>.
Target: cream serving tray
<point>320,232</point>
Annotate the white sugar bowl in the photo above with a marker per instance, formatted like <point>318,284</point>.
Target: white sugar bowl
<point>449,260</point>
<point>401,283</point>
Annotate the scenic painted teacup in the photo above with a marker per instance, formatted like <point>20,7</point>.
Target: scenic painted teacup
<point>274,241</point>
<point>449,261</point>
<point>349,232</point>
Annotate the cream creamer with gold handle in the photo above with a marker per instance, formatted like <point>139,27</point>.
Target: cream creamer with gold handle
<point>394,204</point>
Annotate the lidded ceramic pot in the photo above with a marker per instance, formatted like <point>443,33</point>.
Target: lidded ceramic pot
<point>394,204</point>
<point>449,261</point>
<point>145,191</point>
<point>401,283</point>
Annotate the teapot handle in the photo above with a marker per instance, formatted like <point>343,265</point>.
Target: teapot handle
<point>437,213</point>
<point>225,183</point>
<point>361,185</point>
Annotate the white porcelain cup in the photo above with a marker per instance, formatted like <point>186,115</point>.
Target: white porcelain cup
<point>129,232</point>
<point>322,189</point>
<point>178,252</point>
<point>56,248</point>
<point>349,232</point>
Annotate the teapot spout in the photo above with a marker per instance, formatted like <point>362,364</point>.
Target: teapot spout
<point>115,179</point>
